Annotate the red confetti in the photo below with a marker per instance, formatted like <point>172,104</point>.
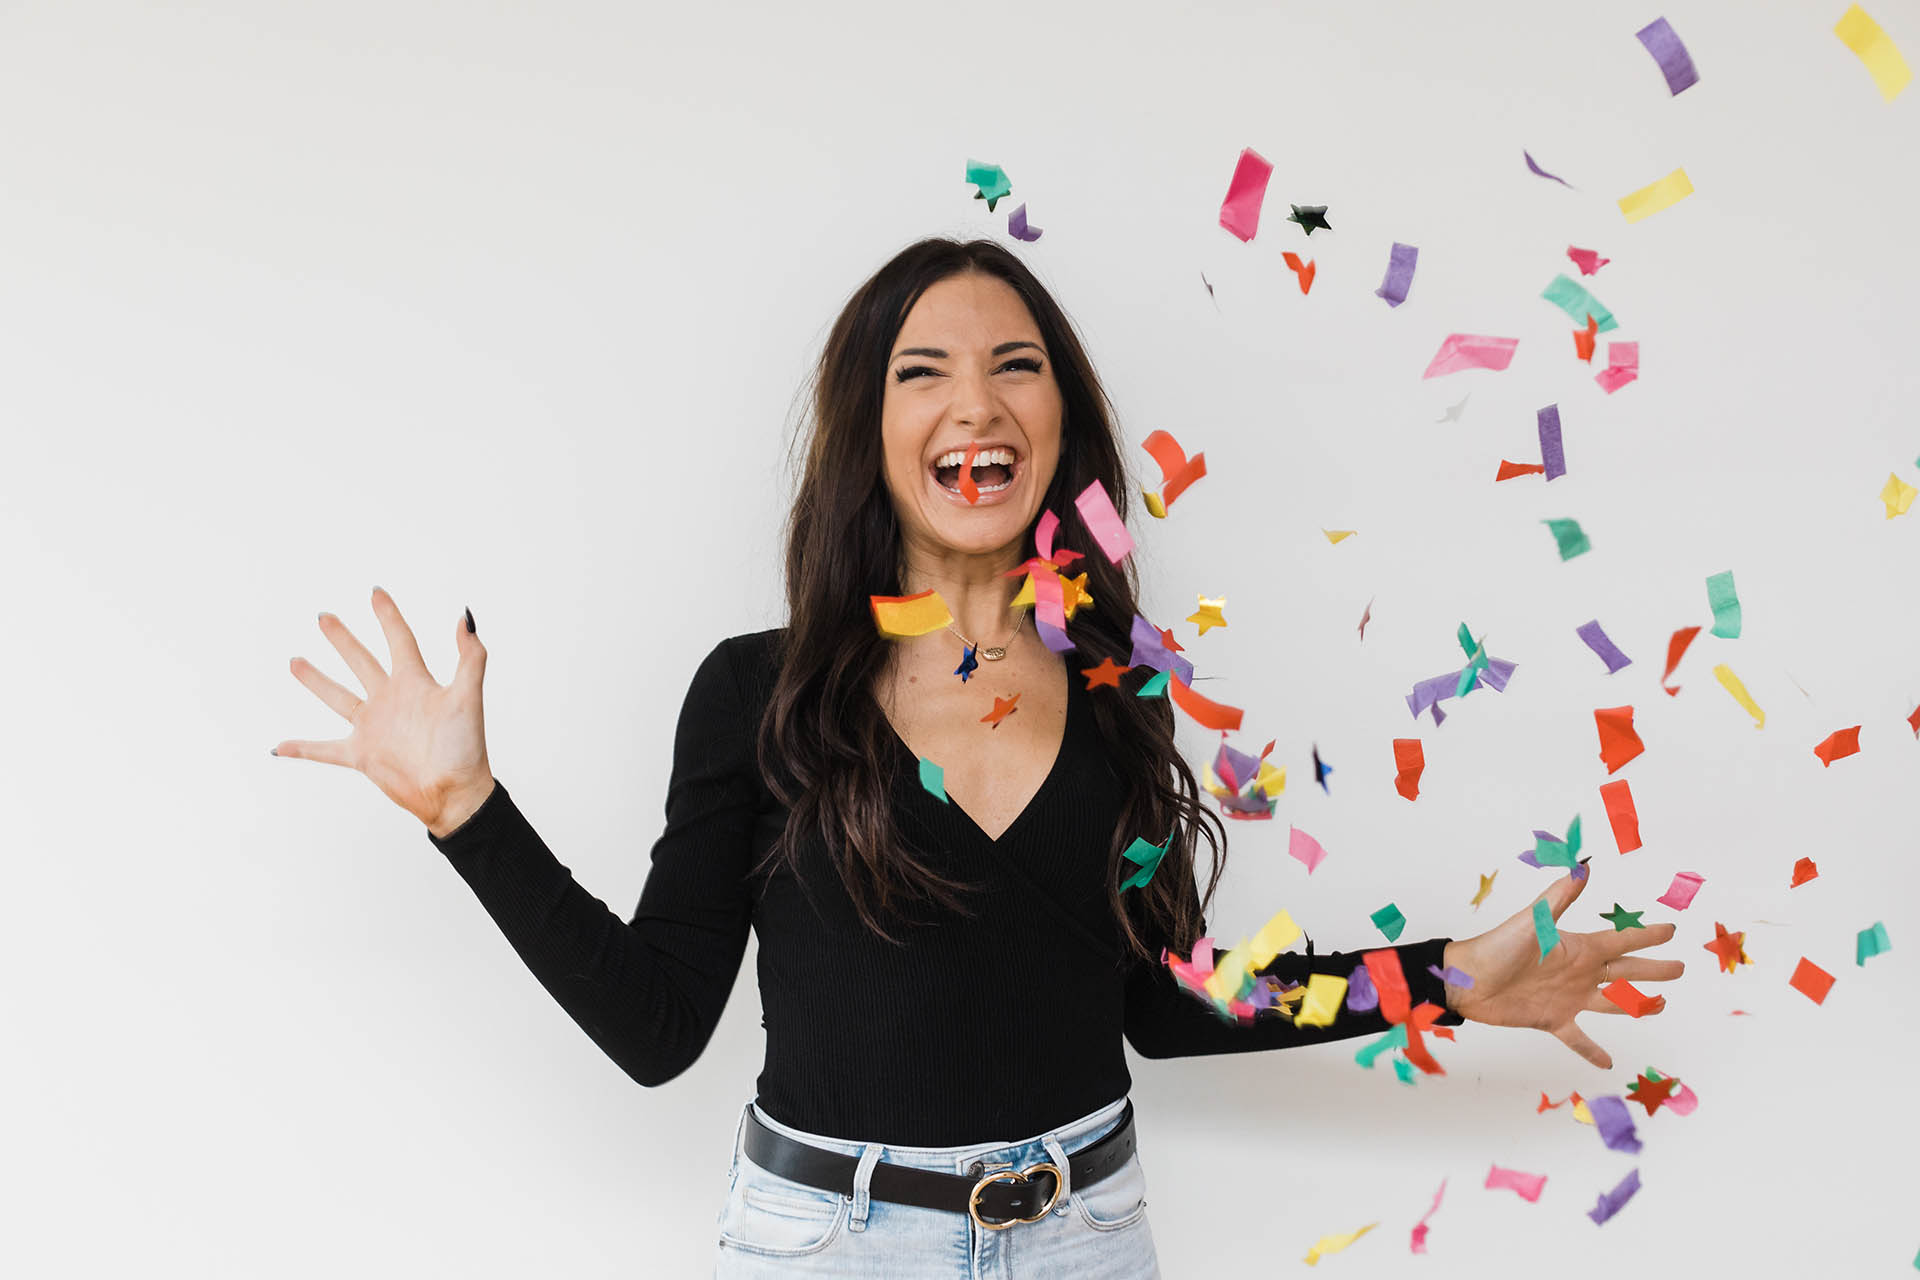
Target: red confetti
<point>1811,981</point>
<point>1803,871</point>
<point>1838,745</point>
<point>1675,647</point>
<point>1410,759</point>
<point>1618,797</point>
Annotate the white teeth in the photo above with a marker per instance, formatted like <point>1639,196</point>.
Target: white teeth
<point>985,458</point>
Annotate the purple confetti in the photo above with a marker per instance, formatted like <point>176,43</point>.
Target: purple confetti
<point>1017,225</point>
<point>1148,651</point>
<point>1597,641</point>
<point>1611,1201</point>
<point>1362,995</point>
<point>1615,1122</point>
<point>1431,692</point>
<point>1400,263</point>
<point>1458,977</point>
<point>1543,173</point>
<point>1548,420</point>
<point>1675,63</point>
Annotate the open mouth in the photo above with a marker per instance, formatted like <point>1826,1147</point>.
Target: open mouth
<point>993,469</point>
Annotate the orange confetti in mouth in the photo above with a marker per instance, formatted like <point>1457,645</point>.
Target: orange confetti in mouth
<point>968,489</point>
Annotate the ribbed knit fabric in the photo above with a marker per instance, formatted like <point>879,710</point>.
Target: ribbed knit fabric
<point>989,1028</point>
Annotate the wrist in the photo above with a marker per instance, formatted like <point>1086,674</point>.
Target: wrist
<point>459,806</point>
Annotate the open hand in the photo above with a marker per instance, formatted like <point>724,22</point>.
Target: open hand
<point>1515,986</point>
<point>423,744</point>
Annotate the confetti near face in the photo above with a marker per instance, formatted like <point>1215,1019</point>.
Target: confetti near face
<point>1240,211</point>
<point>991,179</point>
<point>1811,981</point>
<point>1525,1185</point>
<point>1618,741</point>
<point>1108,529</point>
<point>1898,495</point>
<point>1881,57</point>
<point>1655,196</point>
<point>1334,1244</point>
<point>1177,470</point>
<point>1838,745</point>
<point>1155,508</point>
<point>1871,942</point>
<point>1680,893</point>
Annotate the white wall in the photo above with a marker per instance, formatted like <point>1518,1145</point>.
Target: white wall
<point>505,306</point>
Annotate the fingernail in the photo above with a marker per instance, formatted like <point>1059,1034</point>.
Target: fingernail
<point>470,630</point>
<point>376,586</point>
<point>273,751</point>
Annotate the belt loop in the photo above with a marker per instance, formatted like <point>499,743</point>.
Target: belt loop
<point>1058,1154</point>
<point>739,1132</point>
<point>862,1186</point>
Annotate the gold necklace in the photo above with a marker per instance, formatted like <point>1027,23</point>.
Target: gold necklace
<point>998,651</point>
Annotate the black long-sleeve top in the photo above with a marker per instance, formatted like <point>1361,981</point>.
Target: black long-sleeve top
<point>992,1027</point>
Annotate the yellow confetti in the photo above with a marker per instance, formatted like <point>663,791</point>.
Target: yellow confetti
<point>1208,615</point>
<point>1724,674</point>
<point>1870,44</point>
<point>1325,991</point>
<point>1581,1113</point>
<point>1271,781</point>
<point>1334,535</point>
<point>1275,936</point>
<point>1155,508</point>
<point>1486,887</point>
<point>1073,592</point>
<point>1898,495</point>
<point>1334,1244</point>
<point>899,616</point>
<point>1654,197</point>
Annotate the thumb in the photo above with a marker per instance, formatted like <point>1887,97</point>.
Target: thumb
<point>1561,893</point>
<point>473,654</point>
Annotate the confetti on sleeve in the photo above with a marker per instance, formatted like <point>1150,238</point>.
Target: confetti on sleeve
<point>1838,745</point>
<point>1240,211</point>
<point>1725,603</point>
<point>1878,53</point>
<point>1552,455</point>
<point>1611,1201</point>
<point>1618,741</point>
<point>1811,981</point>
<point>1621,814</point>
<point>1525,1185</point>
<point>933,778</point>
<point>1679,894</point>
<point>1870,942</point>
<point>1410,761</point>
<point>1334,1244</point>
<point>1581,307</point>
<point>1675,648</point>
<point>1324,993</point>
<point>1603,648</point>
<point>1305,849</point>
<point>1389,921</point>
<point>1569,537</point>
<point>916,615</point>
<point>1623,366</point>
<point>1389,981</point>
<point>1419,1243</point>
<point>1400,264</point>
<point>1665,46</point>
<point>1731,682</point>
<point>1544,931</point>
<point>1655,196</point>
<point>1470,351</point>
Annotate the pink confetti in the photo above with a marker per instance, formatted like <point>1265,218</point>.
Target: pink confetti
<point>1240,211</point>
<point>1526,1185</point>
<point>1304,848</point>
<point>1623,366</point>
<point>1472,351</point>
<point>1096,511</point>
<point>1420,1229</point>
<point>1043,534</point>
<point>1586,259</point>
<point>1681,891</point>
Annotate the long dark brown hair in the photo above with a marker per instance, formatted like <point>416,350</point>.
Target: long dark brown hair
<point>825,728</point>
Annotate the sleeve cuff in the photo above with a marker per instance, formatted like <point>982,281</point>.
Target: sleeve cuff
<point>486,822</point>
<point>1422,984</point>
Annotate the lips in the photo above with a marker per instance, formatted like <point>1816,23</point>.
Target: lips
<point>996,466</point>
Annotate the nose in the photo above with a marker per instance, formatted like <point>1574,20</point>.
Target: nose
<point>975,402</point>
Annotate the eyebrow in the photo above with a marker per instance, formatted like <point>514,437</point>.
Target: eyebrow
<point>938,354</point>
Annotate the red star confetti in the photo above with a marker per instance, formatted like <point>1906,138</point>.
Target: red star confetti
<point>1728,947</point>
<point>1107,673</point>
<point>1650,1093</point>
<point>1002,708</point>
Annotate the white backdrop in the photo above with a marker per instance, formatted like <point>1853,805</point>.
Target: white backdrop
<point>506,306</point>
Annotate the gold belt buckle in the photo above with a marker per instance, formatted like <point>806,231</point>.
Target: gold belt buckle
<point>1009,1175</point>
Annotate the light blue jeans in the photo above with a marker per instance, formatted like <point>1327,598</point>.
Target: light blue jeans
<point>772,1226</point>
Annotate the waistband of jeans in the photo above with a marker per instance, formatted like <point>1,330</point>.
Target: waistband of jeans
<point>1071,1136</point>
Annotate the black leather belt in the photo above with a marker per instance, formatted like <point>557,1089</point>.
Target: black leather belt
<point>994,1198</point>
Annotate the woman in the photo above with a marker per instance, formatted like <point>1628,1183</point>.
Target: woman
<point>946,980</point>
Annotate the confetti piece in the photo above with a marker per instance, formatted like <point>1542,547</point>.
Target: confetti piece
<point>1584,341</point>
<point>1177,470</point>
<point>1587,260</point>
<point>1389,981</point>
<point>968,663</point>
<point>1544,174</point>
<point>1310,216</point>
<point>933,778</point>
<point>1544,931</point>
<point>1508,470</point>
<point>1324,993</point>
<point>1621,814</point>
<point>1017,226</point>
<point>1898,495</point>
<point>1334,1244</point>
<point>1880,55</point>
<point>1429,693</point>
<point>1680,893</point>
<point>1409,761</point>
<point>1363,997</point>
<point>1394,1039</point>
<point>1403,1069</point>
<point>1615,1123</point>
<point>1665,46</point>
<point>1803,871</point>
<point>1458,977</point>
<point>1486,887</point>
<point>1208,615</point>
<point>1098,514</point>
<point>1367,614</point>
<point>1552,456</point>
<point>917,615</point>
<point>1470,351</point>
<point>1389,921</point>
<point>992,181</point>
<point>1731,682</point>
<point>1419,1243</point>
<point>1240,211</point>
<point>1650,1089</point>
<point>1304,848</point>
<point>1049,608</point>
<point>1655,196</point>
<point>1401,260</point>
<point>968,489</point>
<point>1618,741</point>
<point>1568,535</point>
<point>1631,999</point>
<point>1335,535</point>
<point>1107,673</point>
<point>1914,721</point>
<point>1728,948</point>
<point>1611,1201</point>
<point>1596,640</point>
<point>1725,603</point>
<point>1302,271</point>
<point>1155,508</point>
<point>1622,919</point>
<point>1838,745</point>
<point>1150,649</point>
<point>1870,942</point>
<point>1546,1104</point>
<point>1675,648</point>
<point>1321,770</point>
<point>1153,688</point>
<point>1526,1185</point>
<point>1811,981</point>
<point>1581,307</point>
<point>1623,366</point>
<point>1452,414</point>
<point>1204,712</point>
<point>1146,857</point>
<point>1002,708</point>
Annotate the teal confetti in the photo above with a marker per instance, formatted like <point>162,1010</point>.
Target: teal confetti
<point>1543,928</point>
<point>992,181</point>
<point>1154,688</point>
<point>934,779</point>
<point>1572,297</point>
<point>1871,942</point>
<point>1568,534</point>
<point>1146,857</point>
<point>1394,1039</point>
<point>1725,605</point>
<point>1389,921</point>
<point>1403,1069</point>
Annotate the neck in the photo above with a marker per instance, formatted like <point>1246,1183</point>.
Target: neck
<point>973,585</point>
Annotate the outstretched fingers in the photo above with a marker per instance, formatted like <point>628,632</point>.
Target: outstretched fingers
<point>1635,939</point>
<point>1597,1002</point>
<point>341,699</point>
<point>1561,893</point>
<point>401,645</point>
<point>1577,1040</point>
<point>1641,969</point>
<point>334,752</point>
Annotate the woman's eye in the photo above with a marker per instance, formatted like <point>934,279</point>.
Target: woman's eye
<point>912,371</point>
<point>1025,363</point>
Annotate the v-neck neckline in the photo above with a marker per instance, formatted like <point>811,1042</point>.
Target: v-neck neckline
<point>1046,783</point>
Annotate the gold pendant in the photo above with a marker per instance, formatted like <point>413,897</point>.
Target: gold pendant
<point>994,654</point>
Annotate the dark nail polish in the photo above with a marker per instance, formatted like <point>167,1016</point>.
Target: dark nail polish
<point>470,630</point>
<point>273,751</point>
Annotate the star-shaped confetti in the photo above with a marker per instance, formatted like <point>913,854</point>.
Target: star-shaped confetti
<point>992,181</point>
<point>968,663</point>
<point>1208,615</point>
<point>1650,1091</point>
<point>1310,216</point>
<point>1074,592</point>
<point>1728,947</point>
<point>1321,770</point>
<point>1166,638</point>
<point>1002,708</point>
<point>1107,673</point>
<point>1486,887</point>
<point>1622,919</point>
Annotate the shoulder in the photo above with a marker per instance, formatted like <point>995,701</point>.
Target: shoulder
<point>747,665</point>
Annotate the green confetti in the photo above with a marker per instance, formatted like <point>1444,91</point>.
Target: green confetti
<point>1543,928</point>
<point>992,181</point>
<point>934,779</point>
<point>1568,534</point>
<point>1549,852</point>
<point>1476,663</point>
<point>1871,942</point>
<point>1154,688</point>
<point>1622,919</point>
<point>1572,297</point>
<point>1394,1039</point>
<point>1389,921</point>
<point>1725,605</point>
<point>1146,857</point>
<point>1403,1069</point>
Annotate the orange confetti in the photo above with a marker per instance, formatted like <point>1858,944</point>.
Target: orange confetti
<point>1410,760</point>
<point>1547,1105</point>
<point>1838,745</point>
<point>1914,720</point>
<point>1631,999</point>
<point>1811,981</point>
<point>1304,272</point>
<point>1583,340</point>
<point>1625,819</point>
<point>1107,673</point>
<point>1650,1093</point>
<point>1675,648</point>
<point>1177,471</point>
<point>1618,742</point>
<point>1002,708</point>
<point>1803,871</point>
<point>1383,966</point>
<point>1508,470</point>
<point>1728,947</point>
<point>968,489</point>
<point>1205,712</point>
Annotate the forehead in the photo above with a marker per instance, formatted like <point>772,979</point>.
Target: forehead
<point>971,308</point>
